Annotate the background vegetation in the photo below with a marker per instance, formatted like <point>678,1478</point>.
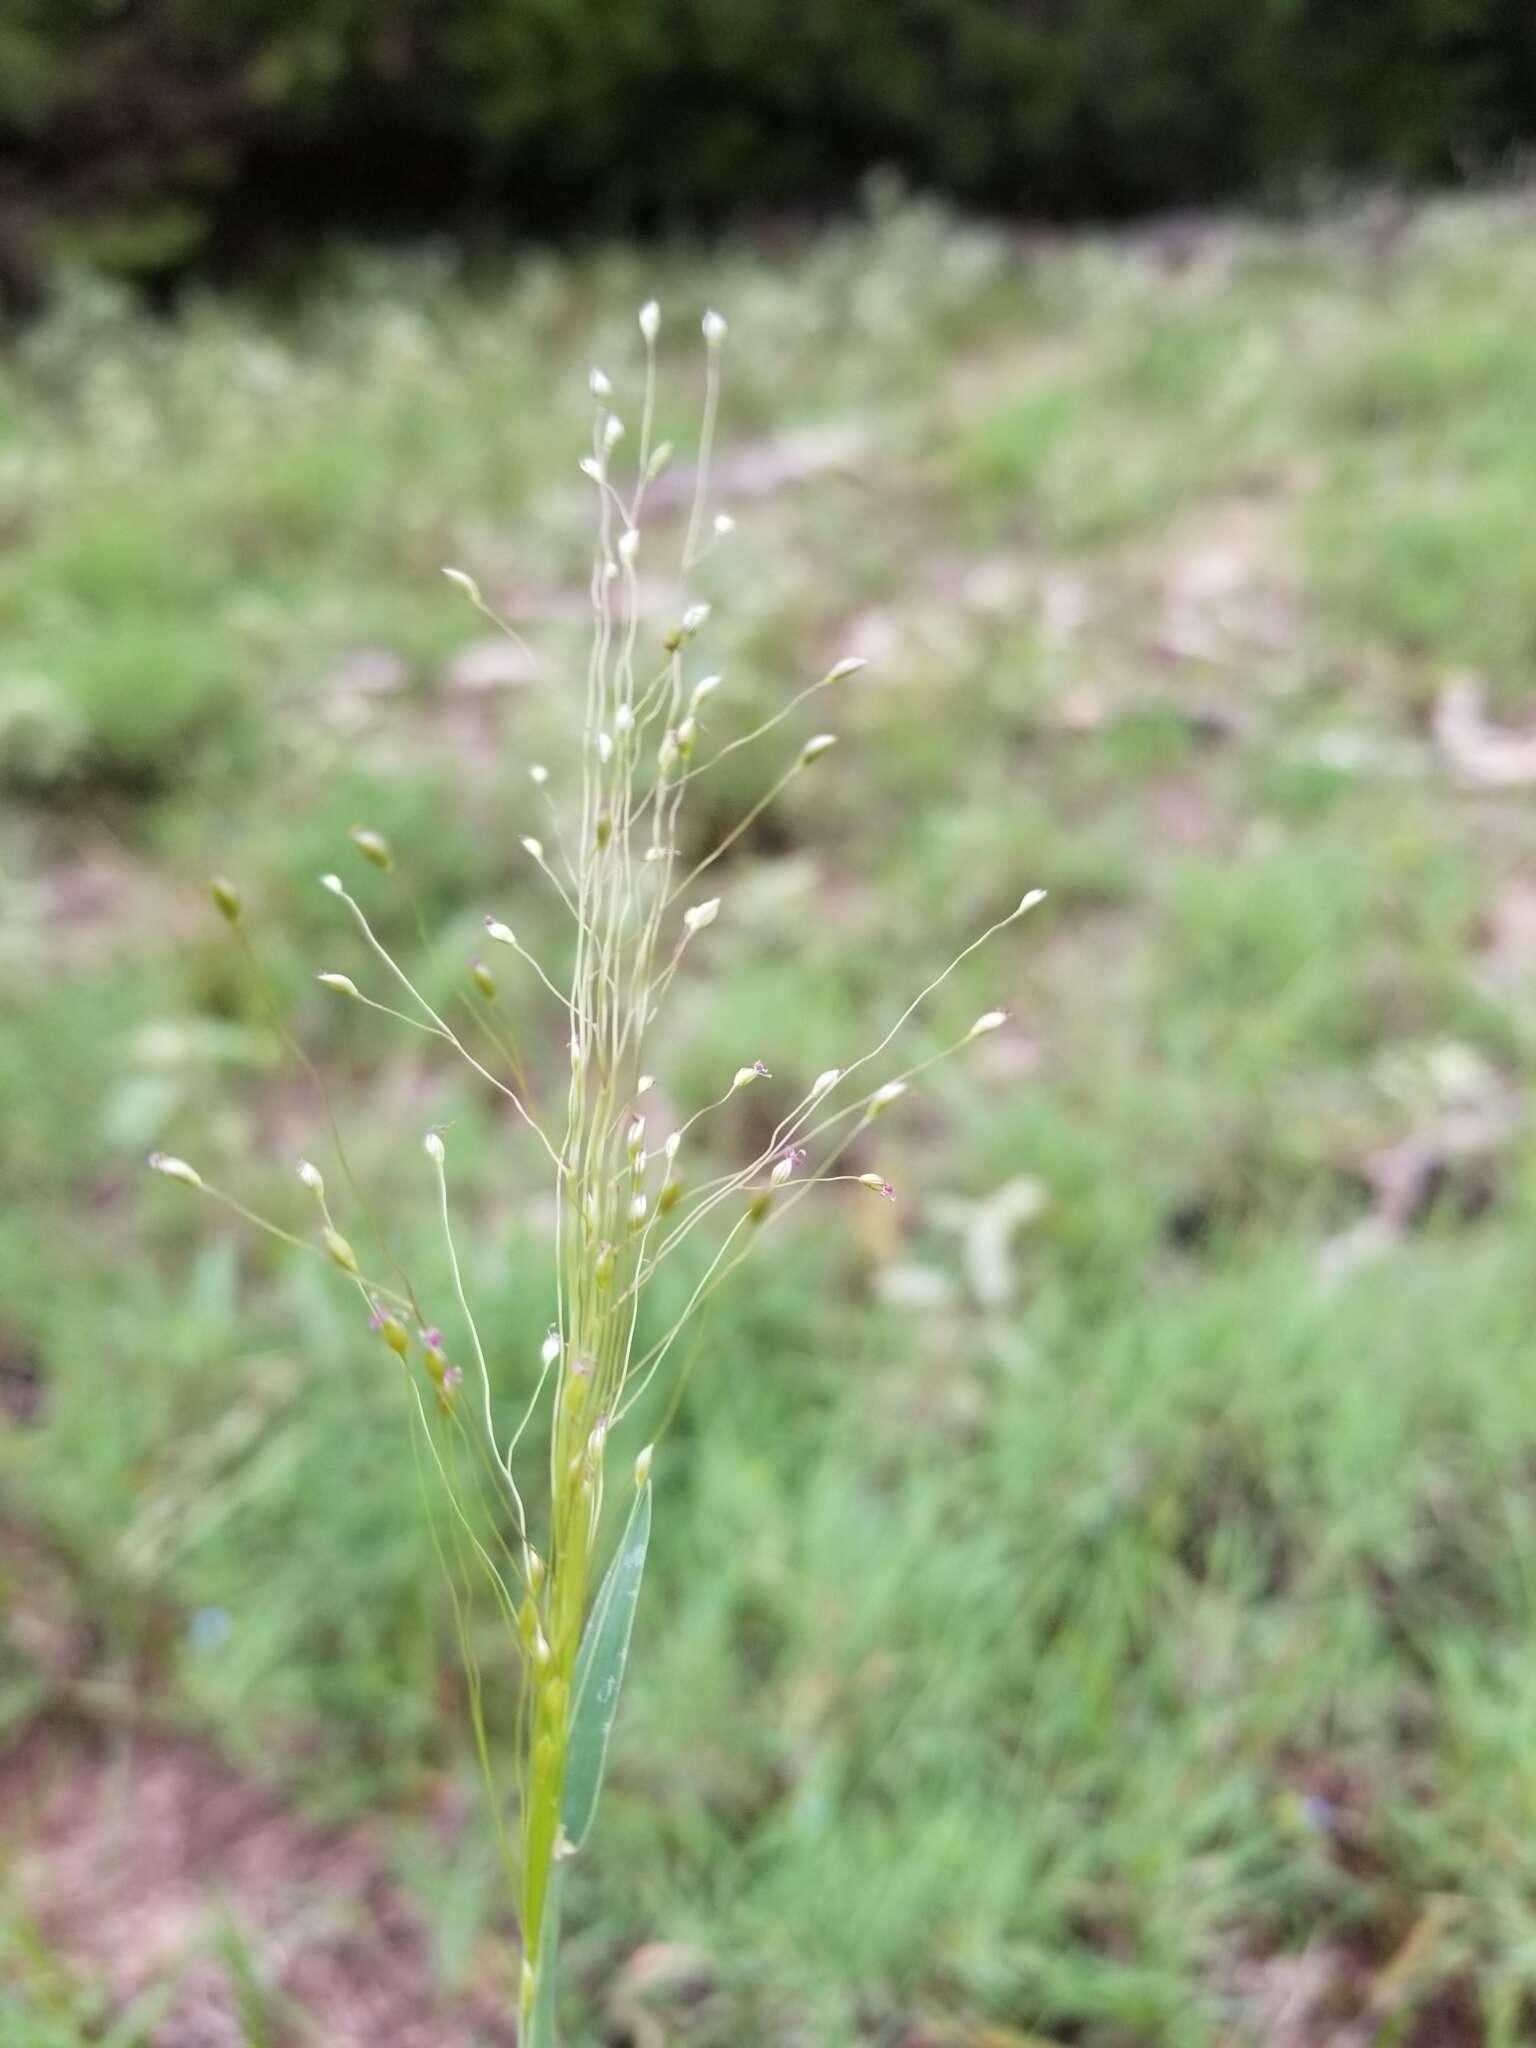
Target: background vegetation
<point>154,132</point>
<point>1092,1599</point>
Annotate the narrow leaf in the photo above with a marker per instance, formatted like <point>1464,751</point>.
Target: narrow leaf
<point>600,1672</point>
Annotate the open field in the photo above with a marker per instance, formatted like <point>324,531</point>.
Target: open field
<point>1093,1599</point>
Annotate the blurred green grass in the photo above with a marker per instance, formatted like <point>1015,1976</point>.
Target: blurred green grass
<point>1086,1641</point>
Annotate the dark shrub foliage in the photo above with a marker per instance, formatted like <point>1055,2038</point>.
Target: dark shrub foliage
<point>146,131</point>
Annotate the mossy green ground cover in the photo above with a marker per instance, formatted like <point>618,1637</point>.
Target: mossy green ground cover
<point>1091,1600</point>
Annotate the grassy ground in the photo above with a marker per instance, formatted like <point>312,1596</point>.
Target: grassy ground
<point>1092,1601</point>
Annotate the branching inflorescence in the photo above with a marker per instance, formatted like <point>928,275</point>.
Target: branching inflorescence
<point>623,1209</point>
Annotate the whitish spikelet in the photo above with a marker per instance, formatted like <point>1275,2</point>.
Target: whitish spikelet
<point>175,1169</point>
<point>373,845</point>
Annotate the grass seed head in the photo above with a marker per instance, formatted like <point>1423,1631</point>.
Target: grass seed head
<point>631,863</point>
<point>340,1250</point>
<point>373,846</point>
<point>465,582</point>
<point>175,1169</point>
<point>393,1331</point>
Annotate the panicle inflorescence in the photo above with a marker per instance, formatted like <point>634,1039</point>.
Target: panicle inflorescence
<point>623,1210</point>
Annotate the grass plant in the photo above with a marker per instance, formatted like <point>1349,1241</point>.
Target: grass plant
<point>624,1209</point>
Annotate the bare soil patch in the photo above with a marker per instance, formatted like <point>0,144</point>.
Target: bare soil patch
<point>136,1853</point>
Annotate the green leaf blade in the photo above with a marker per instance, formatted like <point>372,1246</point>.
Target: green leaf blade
<point>600,1673</point>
